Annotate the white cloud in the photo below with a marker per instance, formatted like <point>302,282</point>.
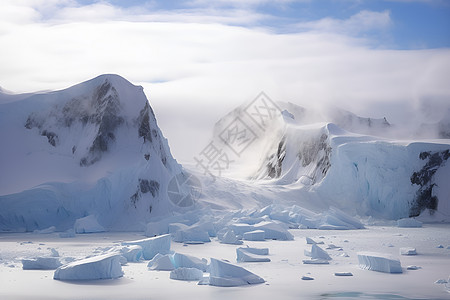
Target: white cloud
<point>195,72</point>
<point>361,22</point>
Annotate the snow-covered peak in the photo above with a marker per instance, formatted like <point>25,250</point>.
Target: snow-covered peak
<point>94,148</point>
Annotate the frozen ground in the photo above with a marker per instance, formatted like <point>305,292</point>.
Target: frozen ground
<point>283,274</point>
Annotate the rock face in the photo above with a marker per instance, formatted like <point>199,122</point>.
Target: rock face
<point>102,131</point>
<point>425,198</point>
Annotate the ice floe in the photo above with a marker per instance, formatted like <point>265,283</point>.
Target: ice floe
<point>226,274</point>
<point>106,266</point>
<point>192,234</point>
<point>317,253</point>
<point>230,238</point>
<point>188,261</point>
<point>408,251</point>
<point>161,263</point>
<point>188,274</point>
<point>255,235</point>
<point>343,274</point>
<point>41,263</point>
<point>310,241</point>
<point>133,253</point>
<point>252,254</point>
<point>152,246</point>
<point>379,262</point>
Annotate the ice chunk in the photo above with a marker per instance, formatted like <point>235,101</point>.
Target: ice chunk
<point>192,234</point>
<point>225,274</point>
<point>408,251</point>
<point>409,222</point>
<point>274,231</point>
<point>315,261</point>
<point>152,246</point>
<point>41,263</point>
<point>240,228</point>
<point>257,251</point>
<point>251,255</point>
<point>413,267</point>
<point>335,219</point>
<point>304,277</point>
<point>88,224</point>
<point>343,274</point>
<point>379,262</point>
<point>106,266</point>
<point>186,274</point>
<point>161,263</point>
<point>441,281</point>
<point>256,235</point>
<point>440,246</point>
<point>318,253</point>
<point>187,261</point>
<point>133,253</point>
<point>54,252</point>
<point>230,238</point>
<point>310,241</point>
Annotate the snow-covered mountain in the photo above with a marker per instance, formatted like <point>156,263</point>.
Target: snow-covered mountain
<point>94,148</point>
<point>335,158</point>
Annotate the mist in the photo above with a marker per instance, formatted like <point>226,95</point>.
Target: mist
<point>197,67</point>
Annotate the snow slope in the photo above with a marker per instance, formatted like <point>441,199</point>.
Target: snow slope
<point>94,152</point>
<point>92,149</point>
<point>315,165</point>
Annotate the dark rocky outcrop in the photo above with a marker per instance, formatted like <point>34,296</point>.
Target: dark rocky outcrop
<point>425,199</point>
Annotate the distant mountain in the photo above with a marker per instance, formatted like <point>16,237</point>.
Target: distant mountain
<point>94,148</point>
<point>335,158</point>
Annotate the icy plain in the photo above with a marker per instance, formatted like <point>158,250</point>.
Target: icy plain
<point>282,275</point>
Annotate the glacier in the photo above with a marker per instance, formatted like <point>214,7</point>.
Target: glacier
<point>95,151</point>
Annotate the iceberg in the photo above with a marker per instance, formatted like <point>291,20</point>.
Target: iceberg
<point>230,238</point>
<point>343,274</point>
<point>256,235</point>
<point>274,231</point>
<point>225,274</point>
<point>161,263</point>
<point>106,266</point>
<point>152,246</point>
<point>408,251</point>
<point>194,234</point>
<point>252,255</point>
<point>88,224</point>
<point>379,262</point>
<point>41,263</point>
<point>318,253</point>
<point>310,241</point>
<point>187,261</point>
<point>188,274</point>
<point>133,253</point>
<point>335,219</point>
<point>315,261</point>
<point>408,223</point>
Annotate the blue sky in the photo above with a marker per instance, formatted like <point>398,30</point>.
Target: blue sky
<point>414,23</point>
<point>199,59</point>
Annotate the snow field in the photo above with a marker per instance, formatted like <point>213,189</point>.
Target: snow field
<point>283,275</point>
